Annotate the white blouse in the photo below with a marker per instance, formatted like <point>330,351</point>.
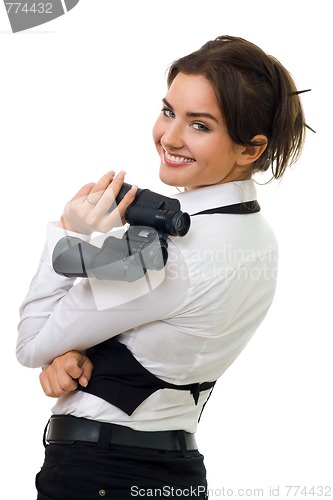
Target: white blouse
<point>185,324</point>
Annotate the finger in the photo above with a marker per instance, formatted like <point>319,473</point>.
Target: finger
<point>54,386</point>
<point>98,189</point>
<point>64,384</point>
<point>111,193</point>
<point>104,182</point>
<point>105,201</point>
<point>117,182</point>
<point>79,197</point>
<point>87,369</point>
<point>116,218</point>
<point>72,363</point>
<point>46,386</point>
<point>84,191</point>
<point>126,201</point>
<point>61,374</point>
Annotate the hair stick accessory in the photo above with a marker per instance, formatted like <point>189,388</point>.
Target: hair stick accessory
<point>307,126</point>
<point>297,92</point>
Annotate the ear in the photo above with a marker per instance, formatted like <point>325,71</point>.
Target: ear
<point>250,154</point>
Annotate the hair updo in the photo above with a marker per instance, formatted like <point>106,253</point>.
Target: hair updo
<point>256,95</point>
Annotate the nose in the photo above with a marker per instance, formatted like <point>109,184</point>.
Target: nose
<point>173,136</point>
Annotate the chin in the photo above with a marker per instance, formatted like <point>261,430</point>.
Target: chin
<point>170,179</point>
<point>170,183</point>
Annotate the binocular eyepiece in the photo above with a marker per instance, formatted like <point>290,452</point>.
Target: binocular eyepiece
<point>154,210</point>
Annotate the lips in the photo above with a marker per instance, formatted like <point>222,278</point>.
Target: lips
<point>176,161</point>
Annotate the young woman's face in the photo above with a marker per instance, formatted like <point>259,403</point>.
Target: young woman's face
<point>191,137</point>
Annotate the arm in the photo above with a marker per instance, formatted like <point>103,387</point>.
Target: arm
<point>59,315</point>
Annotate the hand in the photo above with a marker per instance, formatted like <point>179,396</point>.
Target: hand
<point>88,210</point>
<point>65,374</point>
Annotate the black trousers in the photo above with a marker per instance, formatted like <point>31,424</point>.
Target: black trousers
<point>88,471</point>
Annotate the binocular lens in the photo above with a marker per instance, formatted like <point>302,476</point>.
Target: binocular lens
<point>155,210</point>
<point>180,224</point>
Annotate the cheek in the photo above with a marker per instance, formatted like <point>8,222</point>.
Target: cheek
<point>220,151</point>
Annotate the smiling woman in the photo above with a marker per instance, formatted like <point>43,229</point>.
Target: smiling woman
<point>133,376</point>
<point>192,138</point>
<point>255,97</point>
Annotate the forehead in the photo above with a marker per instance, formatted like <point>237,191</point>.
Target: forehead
<point>193,92</point>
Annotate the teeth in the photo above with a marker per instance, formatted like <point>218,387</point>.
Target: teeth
<point>178,159</point>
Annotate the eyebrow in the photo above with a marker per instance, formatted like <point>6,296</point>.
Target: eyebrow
<point>192,114</point>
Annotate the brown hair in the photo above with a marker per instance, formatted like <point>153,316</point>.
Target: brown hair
<point>256,95</point>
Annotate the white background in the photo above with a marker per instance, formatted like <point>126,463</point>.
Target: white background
<point>78,97</point>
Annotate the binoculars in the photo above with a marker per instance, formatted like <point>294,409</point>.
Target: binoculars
<point>152,218</point>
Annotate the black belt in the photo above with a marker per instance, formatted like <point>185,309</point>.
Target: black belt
<point>66,429</point>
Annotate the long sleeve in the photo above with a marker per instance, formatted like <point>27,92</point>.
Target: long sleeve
<point>59,314</point>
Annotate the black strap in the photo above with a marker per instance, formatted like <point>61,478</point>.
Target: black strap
<point>247,207</point>
<point>121,380</point>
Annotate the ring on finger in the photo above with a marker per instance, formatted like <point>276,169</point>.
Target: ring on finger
<point>90,202</point>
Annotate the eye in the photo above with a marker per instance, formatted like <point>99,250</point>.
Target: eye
<point>167,112</point>
<point>200,127</point>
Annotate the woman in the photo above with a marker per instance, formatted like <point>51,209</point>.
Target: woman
<point>230,111</point>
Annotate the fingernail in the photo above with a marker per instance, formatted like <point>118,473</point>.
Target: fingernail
<point>121,175</point>
<point>84,382</point>
<point>133,190</point>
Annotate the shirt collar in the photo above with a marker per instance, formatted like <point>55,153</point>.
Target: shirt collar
<point>218,195</point>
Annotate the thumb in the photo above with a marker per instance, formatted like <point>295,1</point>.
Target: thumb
<point>87,369</point>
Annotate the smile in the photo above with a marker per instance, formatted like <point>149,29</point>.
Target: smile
<point>175,160</point>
